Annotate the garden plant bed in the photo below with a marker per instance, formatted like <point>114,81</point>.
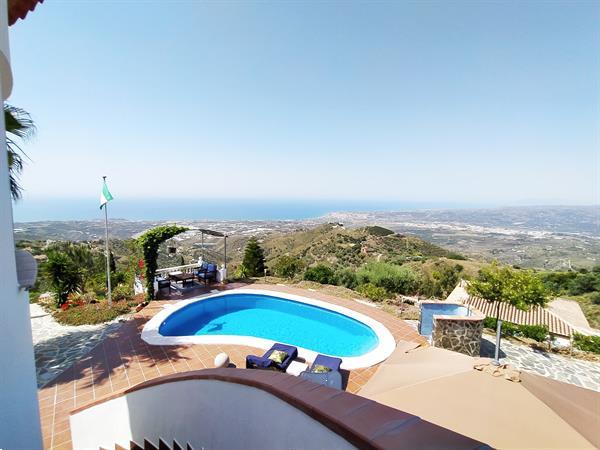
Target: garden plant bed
<point>92,313</point>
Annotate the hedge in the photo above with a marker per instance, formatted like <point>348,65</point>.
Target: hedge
<point>538,333</point>
<point>586,343</point>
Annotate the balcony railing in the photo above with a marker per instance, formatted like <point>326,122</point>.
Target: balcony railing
<point>187,268</point>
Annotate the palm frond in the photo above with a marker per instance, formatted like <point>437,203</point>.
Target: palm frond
<point>18,122</point>
<point>19,125</point>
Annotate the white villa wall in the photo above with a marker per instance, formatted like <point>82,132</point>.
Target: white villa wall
<point>19,413</point>
<point>207,414</point>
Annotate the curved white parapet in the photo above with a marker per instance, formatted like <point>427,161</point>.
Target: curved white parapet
<point>384,348</point>
<point>205,413</point>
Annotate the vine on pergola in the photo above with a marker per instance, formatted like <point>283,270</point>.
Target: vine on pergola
<point>150,241</point>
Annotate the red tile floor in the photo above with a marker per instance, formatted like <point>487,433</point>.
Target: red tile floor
<point>123,360</point>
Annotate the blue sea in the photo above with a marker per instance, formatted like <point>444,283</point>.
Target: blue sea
<point>31,210</point>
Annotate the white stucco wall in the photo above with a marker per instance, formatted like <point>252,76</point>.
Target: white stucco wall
<point>19,413</point>
<point>207,414</point>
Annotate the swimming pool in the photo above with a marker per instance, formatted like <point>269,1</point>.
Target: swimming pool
<point>260,318</point>
<point>428,310</point>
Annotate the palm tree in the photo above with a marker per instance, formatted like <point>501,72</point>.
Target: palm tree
<point>19,126</point>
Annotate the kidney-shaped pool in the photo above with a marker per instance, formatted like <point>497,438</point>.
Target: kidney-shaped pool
<point>257,318</point>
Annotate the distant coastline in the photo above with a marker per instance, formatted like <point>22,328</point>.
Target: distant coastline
<point>209,209</point>
<point>549,237</point>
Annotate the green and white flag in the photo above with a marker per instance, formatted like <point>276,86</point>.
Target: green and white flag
<point>105,195</point>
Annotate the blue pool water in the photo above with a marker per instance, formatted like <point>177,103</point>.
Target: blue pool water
<point>428,310</point>
<point>274,318</point>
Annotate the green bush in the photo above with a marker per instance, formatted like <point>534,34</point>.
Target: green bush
<point>375,293</point>
<point>242,272</point>
<point>321,274</point>
<point>288,266</point>
<point>584,282</point>
<point>445,279</point>
<point>586,343</point>
<point>117,278</point>
<point>595,298</point>
<point>65,276</point>
<point>346,278</point>
<point>538,333</point>
<point>572,282</point>
<point>509,329</point>
<point>122,292</point>
<point>489,322</point>
<point>558,282</point>
<point>392,278</point>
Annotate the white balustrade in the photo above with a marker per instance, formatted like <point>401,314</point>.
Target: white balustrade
<point>187,268</point>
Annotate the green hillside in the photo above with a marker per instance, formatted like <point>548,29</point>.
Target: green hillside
<point>351,248</point>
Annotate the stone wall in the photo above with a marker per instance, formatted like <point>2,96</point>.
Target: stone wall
<point>459,334</point>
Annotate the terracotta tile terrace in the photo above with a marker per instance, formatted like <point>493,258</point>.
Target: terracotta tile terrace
<point>123,360</point>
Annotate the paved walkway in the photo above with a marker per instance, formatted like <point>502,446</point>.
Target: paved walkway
<point>570,370</point>
<point>57,346</point>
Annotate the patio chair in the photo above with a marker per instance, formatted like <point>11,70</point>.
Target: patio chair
<point>210,274</point>
<point>202,269</point>
<point>163,283</point>
<point>325,370</point>
<point>268,362</point>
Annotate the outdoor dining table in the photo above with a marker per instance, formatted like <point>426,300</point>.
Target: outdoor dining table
<point>184,278</point>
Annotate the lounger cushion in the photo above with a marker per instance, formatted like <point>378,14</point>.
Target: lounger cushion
<point>278,356</point>
<point>328,361</point>
<point>318,368</point>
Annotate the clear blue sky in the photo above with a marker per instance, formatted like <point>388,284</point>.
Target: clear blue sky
<point>476,102</point>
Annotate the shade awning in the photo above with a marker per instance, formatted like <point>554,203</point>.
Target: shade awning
<point>442,387</point>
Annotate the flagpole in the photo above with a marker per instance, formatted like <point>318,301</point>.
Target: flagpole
<point>107,251</point>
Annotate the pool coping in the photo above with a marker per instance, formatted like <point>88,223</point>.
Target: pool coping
<point>150,333</point>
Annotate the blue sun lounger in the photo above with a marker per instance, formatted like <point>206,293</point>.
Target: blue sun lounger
<point>331,377</point>
<point>263,362</point>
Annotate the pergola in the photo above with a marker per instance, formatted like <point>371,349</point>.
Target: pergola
<point>204,231</point>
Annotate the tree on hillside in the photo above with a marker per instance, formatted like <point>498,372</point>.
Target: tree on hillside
<point>254,259</point>
<point>445,277</point>
<point>288,266</point>
<point>19,126</point>
<point>519,288</point>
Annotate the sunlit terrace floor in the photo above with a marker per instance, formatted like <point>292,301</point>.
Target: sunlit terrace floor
<point>123,360</point>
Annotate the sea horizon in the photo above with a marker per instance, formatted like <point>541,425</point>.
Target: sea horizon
<point>222,208</point>
<point>210,209</point>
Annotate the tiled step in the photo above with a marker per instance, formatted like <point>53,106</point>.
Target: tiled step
<point>148,445</point>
